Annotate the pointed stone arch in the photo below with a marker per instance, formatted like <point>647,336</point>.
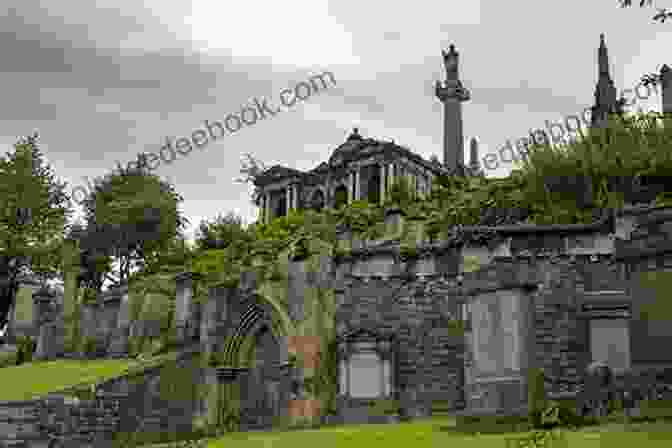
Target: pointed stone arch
<point>259,310</point>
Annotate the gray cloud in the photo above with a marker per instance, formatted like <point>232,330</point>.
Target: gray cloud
<point>104,80</point>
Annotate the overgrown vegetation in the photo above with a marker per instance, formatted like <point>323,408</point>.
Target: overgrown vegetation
<point>33,214</point>
<point>601,166</point>
<point>25,348</point>
<point>630,157</point>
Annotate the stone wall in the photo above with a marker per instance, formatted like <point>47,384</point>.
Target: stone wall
<point>122,405</point>
<point>535,287</point>
<point>564,276</point>
<point>85,423</point>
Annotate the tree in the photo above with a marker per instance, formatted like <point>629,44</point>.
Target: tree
<point>661,15</point>
<point>95,263</point>
<point>221,232</point>
<point>251,169</point>
<point>173,258</point>
<point>34,209</point>
<point>131,215</point>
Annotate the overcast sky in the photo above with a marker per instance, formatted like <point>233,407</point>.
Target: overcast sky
<point>104,80</point>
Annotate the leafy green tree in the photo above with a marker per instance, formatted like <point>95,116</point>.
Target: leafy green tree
<point>173,258</point>
<point>221,232</point>
<point>133,215</point>
<point>251,169</point>
<point>35,209</point>
<point>662,14</point>
<point>95,263</point>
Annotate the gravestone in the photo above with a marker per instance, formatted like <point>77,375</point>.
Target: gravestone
<point>50,340</point>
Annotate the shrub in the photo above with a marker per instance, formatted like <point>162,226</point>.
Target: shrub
<point>561,414</point>
<point>89,346</point>
<point>25,348</point>
<point>8,359</point>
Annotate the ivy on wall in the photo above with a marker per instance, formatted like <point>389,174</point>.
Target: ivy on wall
<point>178,383</point>
<point>324,384</point>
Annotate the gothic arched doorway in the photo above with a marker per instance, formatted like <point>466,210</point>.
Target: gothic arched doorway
<point>256,354</point>
<point>340,196</point>
<point>261,398</point>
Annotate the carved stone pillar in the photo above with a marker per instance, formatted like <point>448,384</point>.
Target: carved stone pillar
<point>288,199</point>
<point>390,177</point>
<point>356,186</point>
<point>351,184</point>
<point>295,197</point>
<point>382,183</point>
<point>260,217</point>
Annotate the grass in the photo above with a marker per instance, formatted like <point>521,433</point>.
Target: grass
<point>425,433</point>
<point>36,379</point>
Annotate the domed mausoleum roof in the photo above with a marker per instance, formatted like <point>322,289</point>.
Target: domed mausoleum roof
<point>348,150</point>
<point>276,173</point>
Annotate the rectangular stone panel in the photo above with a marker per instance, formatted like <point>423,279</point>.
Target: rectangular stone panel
<point>365,375</point>
<point>610,342</point>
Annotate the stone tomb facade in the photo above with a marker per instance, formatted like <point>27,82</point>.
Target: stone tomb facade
<point>553,297</point>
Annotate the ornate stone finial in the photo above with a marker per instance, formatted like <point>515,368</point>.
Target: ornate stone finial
<point>450,62</point>
<point>355,134</point>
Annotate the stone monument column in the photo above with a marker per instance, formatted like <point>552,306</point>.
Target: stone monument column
<point>452,94</point>
<point>356,187</point>
<point>288,199</point>
<point>391,173</point>
<point>382,183</point>
<point>296,197</point>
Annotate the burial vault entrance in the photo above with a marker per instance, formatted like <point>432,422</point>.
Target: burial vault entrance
<point>255,359</point>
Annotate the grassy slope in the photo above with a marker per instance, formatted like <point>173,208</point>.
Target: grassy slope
<point>424,434</point>
<point>35,379</point>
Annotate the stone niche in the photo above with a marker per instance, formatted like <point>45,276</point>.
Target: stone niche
<point>365,364</point>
